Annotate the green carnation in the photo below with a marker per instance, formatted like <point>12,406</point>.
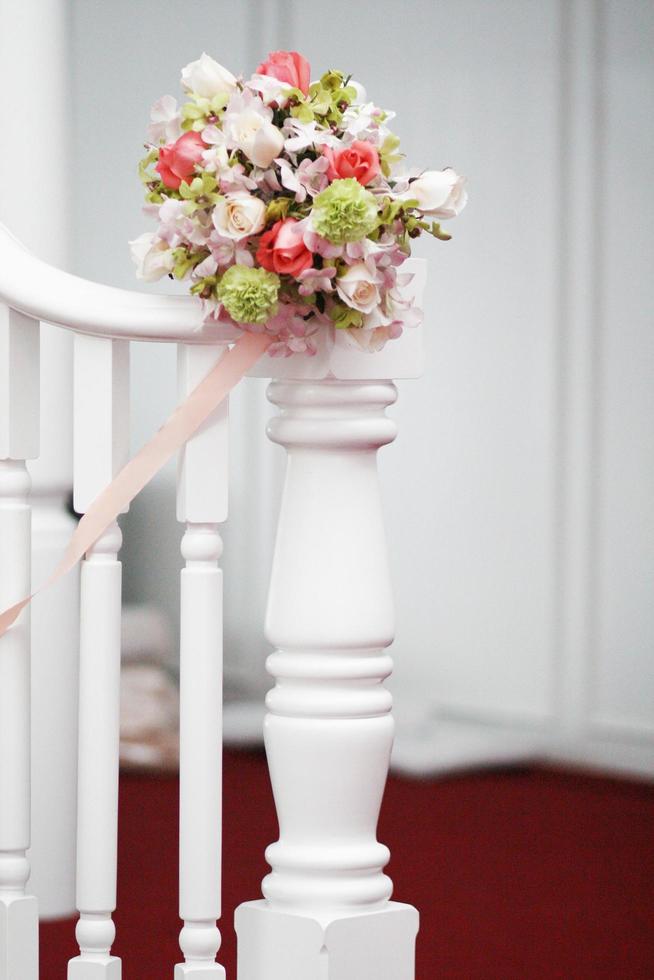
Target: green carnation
<point>344,212</point>
<point>249,295</point>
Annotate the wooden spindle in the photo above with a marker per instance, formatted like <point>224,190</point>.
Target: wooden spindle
<point>201,505</point>
<point>19,439</point>
<point>101,446</point>
<point>329,729</point>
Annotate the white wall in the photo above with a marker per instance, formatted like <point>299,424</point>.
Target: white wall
<point>519,494</point>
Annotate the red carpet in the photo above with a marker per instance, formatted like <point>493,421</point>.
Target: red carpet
<point>530,875</point>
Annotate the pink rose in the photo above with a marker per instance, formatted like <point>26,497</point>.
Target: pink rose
<point>359,160</point>
<point>177,160</point>
<point>289,67</point>
<point>282,250</point>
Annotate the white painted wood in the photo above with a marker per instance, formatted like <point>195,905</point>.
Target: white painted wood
<point>19,385</point>
<point>100,440</point>
<point>376,945</point>
<point>91,308</point>
<point>202,504</point>
<point>101,429</point>
<point>18,910</point>
<point>329,730</point>
<point>97,796</point>
<point>202,484</point>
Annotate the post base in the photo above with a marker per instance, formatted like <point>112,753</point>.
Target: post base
<point>276,945</point>
<point>199,971</point>
<point>106,968</point>
<point>19,938</point>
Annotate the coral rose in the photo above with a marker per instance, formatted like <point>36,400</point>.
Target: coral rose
<point>359,160</point>
<point>289,67</point>
<point>282,249</point>
<point>177,160</point>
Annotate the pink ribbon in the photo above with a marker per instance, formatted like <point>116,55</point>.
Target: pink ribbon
<point>181,425</point>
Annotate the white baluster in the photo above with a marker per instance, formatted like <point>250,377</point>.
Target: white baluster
<point>201,504</point>
<point>101,445</point>
<point>19,438</point>
<point>326,914</point>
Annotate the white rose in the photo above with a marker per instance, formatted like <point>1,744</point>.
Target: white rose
<point>441,193</point>
<point>358,288</point>
<point>238,215</point>
<point>258,138</point>
<point>205,77</point>
<point>152,256</point>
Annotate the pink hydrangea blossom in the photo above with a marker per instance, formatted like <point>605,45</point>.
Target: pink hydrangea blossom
<point>310,177</point>
<point>316,280</point>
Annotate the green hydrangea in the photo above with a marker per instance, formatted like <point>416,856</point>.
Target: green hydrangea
<point>249,295</point>
<point>344,212</point>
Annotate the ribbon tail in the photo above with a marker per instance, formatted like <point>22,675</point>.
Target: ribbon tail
<point>137,473</point>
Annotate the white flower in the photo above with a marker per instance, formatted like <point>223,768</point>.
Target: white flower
<point>215,158</point>
<point>165,122</point>
<point>270,89</point>
<point>226,251</point>
<point>440,193</point>
<point>364,122</point>
<point>361,94</point>
<point>238,215</point>
<point>358,288</point>
<point>372,340</point>
<point>263,145</point>
<point>378,328</point>
<point>152,256</point>
<point>207,267</point>
<point>176,227</point>
<point>206,78</point>
<point>247,126</point>
<point>301,135</point>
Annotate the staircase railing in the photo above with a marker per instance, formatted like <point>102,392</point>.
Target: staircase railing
<point>329,729</point>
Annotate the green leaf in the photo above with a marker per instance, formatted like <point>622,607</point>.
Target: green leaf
<point>344,317</point>
<point>436,231</point>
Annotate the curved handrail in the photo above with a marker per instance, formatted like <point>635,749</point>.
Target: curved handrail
<point>41,291</point>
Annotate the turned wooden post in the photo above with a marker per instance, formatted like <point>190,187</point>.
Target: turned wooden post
<point>101,447</point>
<point>19,440</point>
<point>326,913</point>
<point>201,506</point>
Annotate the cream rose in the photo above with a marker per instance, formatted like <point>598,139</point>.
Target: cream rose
<point>152,256</point>
<point>358,288</point>
<point>205,77</point>
<point>238,215</point>
<point>440,193</point>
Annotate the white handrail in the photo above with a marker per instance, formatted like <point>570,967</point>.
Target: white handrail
<point>41,291</point>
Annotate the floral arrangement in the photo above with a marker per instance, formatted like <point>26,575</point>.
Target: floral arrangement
<point>285,204</point>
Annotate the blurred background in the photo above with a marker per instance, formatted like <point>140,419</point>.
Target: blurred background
<point>524,563</point>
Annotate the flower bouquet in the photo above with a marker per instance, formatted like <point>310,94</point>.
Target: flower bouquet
<point>284,203</point>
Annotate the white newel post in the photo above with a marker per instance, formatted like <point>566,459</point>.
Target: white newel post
<point>19,440</point>
<point>326,913</point>
<point>101,447</point>
<point>201,506</point>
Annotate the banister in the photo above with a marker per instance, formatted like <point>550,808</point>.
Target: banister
<point>41,291</point>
